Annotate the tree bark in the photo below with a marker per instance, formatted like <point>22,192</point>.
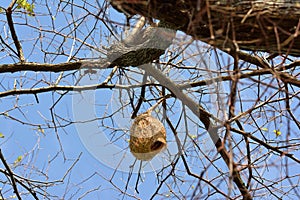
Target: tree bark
<point>231,25</point>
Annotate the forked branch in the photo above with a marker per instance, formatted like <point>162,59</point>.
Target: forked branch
<point>13,31</point>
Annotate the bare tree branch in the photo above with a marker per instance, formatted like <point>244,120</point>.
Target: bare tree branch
<point>12,178</point>
<point>13,31</point>
<point>269,26</point>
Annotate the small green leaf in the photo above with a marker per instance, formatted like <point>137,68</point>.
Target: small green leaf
<point>41,130</point>
<point>264,129</point>
<point>277,132</point>
<point>1,135</point>
<point>193,136</point>
<point>19,158</point>
<point>26,6</point>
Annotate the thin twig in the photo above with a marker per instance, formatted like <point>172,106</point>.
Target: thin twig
<point>205,117</point>
<point>12,178</point>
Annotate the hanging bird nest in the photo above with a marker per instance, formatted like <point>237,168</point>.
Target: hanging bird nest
<point>147,136</point>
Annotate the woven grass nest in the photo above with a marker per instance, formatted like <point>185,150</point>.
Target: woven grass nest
<point>147,136</point>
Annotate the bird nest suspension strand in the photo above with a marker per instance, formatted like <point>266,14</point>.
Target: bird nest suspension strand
<point>147,136</point>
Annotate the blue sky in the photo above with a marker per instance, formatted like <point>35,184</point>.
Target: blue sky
<point>53,152</point>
